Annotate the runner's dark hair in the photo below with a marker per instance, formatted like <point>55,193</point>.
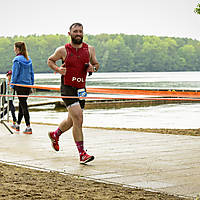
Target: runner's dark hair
<point>75,24</point>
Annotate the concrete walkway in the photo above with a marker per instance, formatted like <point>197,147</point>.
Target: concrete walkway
<point>165,163</point>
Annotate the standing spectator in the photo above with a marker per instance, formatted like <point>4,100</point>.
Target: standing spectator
<point>8,91</point>
<point>22,74</point>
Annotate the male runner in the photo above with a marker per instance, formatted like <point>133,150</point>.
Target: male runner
<point>78,58</point>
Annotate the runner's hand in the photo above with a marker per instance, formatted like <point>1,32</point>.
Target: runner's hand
<point>62,69</point>
<point>90,68</point>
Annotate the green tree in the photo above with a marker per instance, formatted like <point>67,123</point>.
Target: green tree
<point>118,56</point>
<point>188,53</point>
<point>197,9</point>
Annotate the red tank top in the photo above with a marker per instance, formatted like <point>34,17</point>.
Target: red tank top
<point>75,64</point>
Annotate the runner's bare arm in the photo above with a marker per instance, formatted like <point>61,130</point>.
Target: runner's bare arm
<point>59,54</point>
<point>94,65</point>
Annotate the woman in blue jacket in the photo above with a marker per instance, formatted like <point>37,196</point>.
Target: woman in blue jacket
<point>22,74</point>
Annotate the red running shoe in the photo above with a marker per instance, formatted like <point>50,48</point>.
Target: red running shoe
<point>15,127</point>
<point>54,140</point>
<point>84,158</point>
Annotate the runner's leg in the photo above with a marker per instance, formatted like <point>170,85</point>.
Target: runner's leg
<point>66,124</point>
<point>76,114</point>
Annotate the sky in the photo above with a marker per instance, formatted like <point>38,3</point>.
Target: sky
<point>173,18</point>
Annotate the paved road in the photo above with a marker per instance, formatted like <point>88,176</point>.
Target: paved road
<point>165,163</point>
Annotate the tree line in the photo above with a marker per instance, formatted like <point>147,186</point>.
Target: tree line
<point>115,52</point>
<point>197,9</point>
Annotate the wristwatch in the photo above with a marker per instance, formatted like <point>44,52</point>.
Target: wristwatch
<point>95,69</point>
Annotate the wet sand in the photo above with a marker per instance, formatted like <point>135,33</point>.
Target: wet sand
<point>29,184</point>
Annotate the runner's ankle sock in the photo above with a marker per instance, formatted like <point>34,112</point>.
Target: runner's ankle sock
<point>80,147</point>
<point>58,132</point>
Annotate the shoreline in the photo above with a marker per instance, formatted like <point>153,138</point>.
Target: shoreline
<point>189,132</point>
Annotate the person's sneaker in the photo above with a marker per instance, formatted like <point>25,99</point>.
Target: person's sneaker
<point>28,130</point>
<point>15,127</point>
<point>54,140</point>
<point>84,158</point>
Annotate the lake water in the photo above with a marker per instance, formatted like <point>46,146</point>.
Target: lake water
<point>183,115</point>
<point>139,80</point>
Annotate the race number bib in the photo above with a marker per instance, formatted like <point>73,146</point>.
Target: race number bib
<point>82,92</point>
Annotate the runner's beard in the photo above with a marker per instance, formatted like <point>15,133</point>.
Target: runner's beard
<point>77,41</point>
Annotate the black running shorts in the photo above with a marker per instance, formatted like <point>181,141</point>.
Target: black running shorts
<point>67,90</point>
